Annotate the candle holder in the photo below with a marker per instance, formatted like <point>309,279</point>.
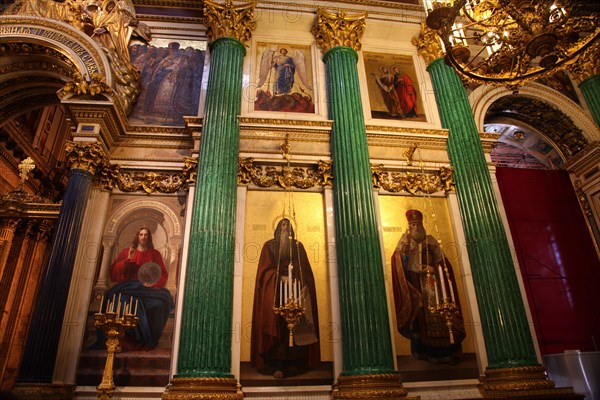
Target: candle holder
<point>447,309</point>
<point>291,311</point>
<point>114,326</point>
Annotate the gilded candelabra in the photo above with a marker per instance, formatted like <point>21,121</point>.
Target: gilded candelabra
<point>114,323</point>
<point>290,302</point>
<point>446,307</point>
<point>291,311</point>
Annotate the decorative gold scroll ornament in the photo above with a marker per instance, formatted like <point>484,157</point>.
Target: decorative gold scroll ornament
<point>113,176</point>
<point>285,176</point>
<point>332,30</point>
<point>229,20</point>
<point>413,182</point>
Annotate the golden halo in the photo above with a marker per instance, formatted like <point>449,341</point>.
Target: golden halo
<point>282,216</point>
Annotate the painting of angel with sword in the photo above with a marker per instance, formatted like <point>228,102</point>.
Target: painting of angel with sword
<point>284,81</point>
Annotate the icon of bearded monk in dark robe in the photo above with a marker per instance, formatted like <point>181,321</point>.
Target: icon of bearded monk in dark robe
<point>271,352</point>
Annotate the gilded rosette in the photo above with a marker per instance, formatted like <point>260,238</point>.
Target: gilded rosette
<point>332,30</point>
<point>86,156</point>
<point>428,44</point>
<point>229,20</point>
<point>203,389</point>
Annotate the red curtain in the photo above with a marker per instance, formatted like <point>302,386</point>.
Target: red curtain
<point>557,256</point>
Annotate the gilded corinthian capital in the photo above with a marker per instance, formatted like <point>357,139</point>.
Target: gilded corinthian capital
<point>229,20</point>
<point>333,30</point>
<point>428,44</point>
<point>86,156</point>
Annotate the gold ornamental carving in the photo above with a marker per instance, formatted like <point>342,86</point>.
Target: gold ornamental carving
<point>203,389</point>
<point>111,24</point>
<point>428,44</point>
<point>518,382</point>
<point>332,30</point>
<point>78,86</point>
<point>426,182</point>
<point>229,20</point>
<point>86,156</point>
<point>588,64</point>
<point>284,176</point>
<point>380,386</point>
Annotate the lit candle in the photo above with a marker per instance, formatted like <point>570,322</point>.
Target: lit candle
<point>101,302</point>
<point>437,296</point>
<point>119,304</point>
<point>280,292</point>
<point>285,291</point>
<point>294,290</point>
<point>442,283</point>
<point>451,290</point>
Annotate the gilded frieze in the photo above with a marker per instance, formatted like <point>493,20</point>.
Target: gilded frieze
<point>284,176</point>
<point>415,182</point>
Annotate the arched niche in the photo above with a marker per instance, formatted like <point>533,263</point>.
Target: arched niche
<point>38,57</point>
<point>160,217</point>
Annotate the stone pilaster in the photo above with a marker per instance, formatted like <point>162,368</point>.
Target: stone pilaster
<point>368,360</point>
<point>204,361</point>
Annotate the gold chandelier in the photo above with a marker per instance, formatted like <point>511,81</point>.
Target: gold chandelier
<point>509,42</point>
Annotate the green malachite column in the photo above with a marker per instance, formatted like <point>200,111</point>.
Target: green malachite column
<point>204,358</point>
<point>366,340</point>
<point>591,92</point>
<point>508,338</point>
<point>512,363</point>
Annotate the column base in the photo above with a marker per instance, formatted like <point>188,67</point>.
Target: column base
<point>376,386</point>
<point>203,389</point>
<point>43,391</point>
<point>519,382</point>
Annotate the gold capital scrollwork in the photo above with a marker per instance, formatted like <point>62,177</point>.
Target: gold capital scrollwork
<point>86,156</point>
<point>332,30</point>
<point>229,20</point>
<point>428,44</point>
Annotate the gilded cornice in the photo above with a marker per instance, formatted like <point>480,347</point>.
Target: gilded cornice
<point>85,156</point>
<point>338,29</point>
<point>27,208</point>
<point>193,4</point>
<point>173,19</point>
<point>288,122</point>
<point>226,20</point>
<point>428,44</point>
<point>588,64</point>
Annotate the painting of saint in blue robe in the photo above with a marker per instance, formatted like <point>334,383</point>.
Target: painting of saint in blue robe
<point>284,79</point>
